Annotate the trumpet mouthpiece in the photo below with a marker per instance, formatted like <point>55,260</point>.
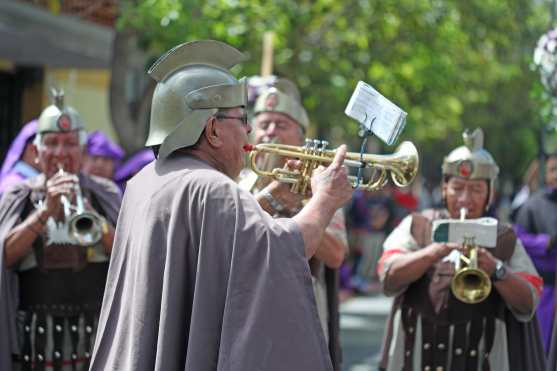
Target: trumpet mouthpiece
<point>248,148</point>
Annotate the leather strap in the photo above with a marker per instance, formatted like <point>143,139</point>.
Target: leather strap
<point>409,320</point>
<point>58,332</point>
<point>26,350</point>
<point>428,344</point>
<point>40,342</point>
<point>489,335</point>
<point>73,323</point>
<point>441,347</point>
<point>89,320</point>
<point>459,347</point>
<point>474,336</point>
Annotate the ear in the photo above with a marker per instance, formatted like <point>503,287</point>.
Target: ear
<point>35,152</point>
<point>444,188</point>
<point>214,133</point>
<point>490,195</point>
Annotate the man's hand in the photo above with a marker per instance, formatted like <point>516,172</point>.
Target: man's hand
<point>281,192</point>
<point>60,184</point>
<point>330,185</point>
<point>437,251</point>
<point>486,261</point>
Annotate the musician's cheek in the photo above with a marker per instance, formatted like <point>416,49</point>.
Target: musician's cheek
<point>74,160</point>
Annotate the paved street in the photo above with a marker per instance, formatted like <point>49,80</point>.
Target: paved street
<point>362,324</point>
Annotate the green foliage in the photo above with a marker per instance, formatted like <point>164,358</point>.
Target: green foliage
<point>450,64</point>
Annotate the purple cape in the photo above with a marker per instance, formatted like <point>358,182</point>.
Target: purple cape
<point>18,146</point>
<point>133,165</point>
<point>98,144</point>
<point>535,225</point>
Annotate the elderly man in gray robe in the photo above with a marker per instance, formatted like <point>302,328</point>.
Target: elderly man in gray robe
<point>201,278</point>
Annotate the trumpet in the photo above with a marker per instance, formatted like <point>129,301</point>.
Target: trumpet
<point>401,165</point>
<point>84,227</point>
<point>470,284</point>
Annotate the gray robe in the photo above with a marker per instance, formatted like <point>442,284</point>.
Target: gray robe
<point>12,205</point>
<point>201,278</point>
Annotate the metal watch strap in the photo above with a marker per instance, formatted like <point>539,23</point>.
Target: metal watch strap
<point>271,200</point>
<point>497,276</point>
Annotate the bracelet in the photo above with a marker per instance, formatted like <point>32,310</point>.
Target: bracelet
<point>271,200</point>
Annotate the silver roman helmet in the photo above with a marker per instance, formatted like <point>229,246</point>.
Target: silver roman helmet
<point>283,97</point>
<point>59,117</point>
<point>472,161</point>
<point>193,82</point>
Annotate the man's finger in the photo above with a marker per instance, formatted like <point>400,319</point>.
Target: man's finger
<point>318,170</point>
<point>453,245</point>
<point>340,155</point>
<point>293,164</point>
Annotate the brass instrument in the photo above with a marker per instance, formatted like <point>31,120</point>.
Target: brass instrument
<point>266,162</point>
<point>402,165</point>
<point>470,284</point>
<point>84,227</point>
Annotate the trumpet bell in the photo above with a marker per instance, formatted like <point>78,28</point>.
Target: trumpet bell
<point>408,164</point>
<point>85,228</point>
<point>471,285</point>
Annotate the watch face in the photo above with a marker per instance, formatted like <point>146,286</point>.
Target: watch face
<point>500,271</point>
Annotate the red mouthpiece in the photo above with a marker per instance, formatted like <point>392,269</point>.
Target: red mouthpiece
<point>248,148</point>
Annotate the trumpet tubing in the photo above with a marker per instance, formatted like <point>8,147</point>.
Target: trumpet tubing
<point>402,166</point>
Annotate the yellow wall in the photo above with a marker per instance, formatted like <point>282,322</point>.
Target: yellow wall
<point>6,65</point>
<point>87,91</point>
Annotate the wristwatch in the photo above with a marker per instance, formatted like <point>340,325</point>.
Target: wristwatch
<point>500,271</point>
<point>271,200</point>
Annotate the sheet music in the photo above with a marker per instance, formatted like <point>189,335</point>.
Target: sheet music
<point>368,106</point>
<point>484,231</point>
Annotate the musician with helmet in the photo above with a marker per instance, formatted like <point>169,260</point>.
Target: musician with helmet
<point>201,278</point>
<point>432,328</point>
<point>281,118</point>
<point>56,233</point>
